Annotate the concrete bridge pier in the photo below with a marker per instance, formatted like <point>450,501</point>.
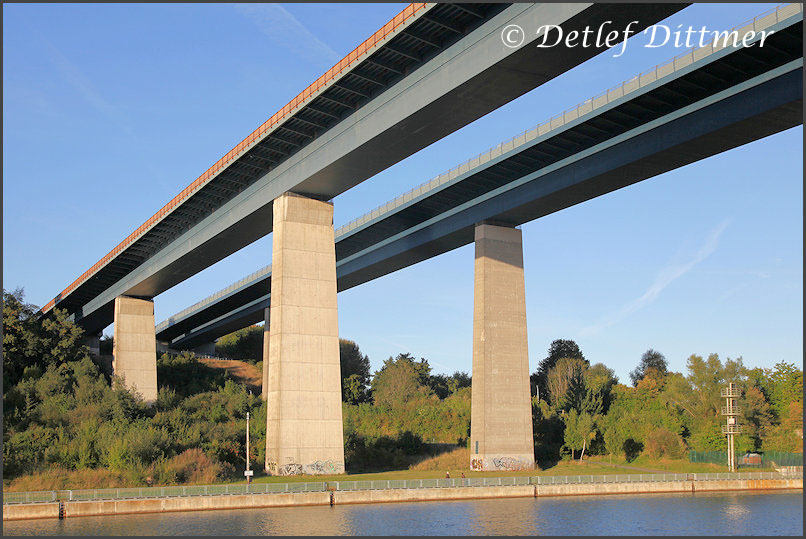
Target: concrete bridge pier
<point>501,409</point>
<point>304,419</point>
<point>93,342</point>
<point>135,346</point>
<point>266,347</point>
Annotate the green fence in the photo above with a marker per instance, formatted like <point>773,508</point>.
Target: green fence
<point>784,459</point>
<point>755,460</point>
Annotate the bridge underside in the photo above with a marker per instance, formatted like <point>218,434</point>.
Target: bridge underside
<point>742,96</point>
<point>462,80</point>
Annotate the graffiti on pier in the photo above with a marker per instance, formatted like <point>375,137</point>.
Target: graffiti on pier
<point>324,466</point>
<point>290,469</point>
<point>498,463</point>
<point>506,463</point>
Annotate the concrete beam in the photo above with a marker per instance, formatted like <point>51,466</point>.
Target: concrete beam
<point>304,419</point>
<point>135,346</point>
<point>501,409</point>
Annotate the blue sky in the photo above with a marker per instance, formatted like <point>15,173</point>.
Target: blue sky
<point>110,110</point>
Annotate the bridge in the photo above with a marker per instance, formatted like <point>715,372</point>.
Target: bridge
<point>708,101</point>
<point>439,215</point>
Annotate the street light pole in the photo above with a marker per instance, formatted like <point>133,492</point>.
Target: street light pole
<point>248,475</point>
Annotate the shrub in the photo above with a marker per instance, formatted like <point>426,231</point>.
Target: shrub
<point>664,443</point>
<point>193,466</point>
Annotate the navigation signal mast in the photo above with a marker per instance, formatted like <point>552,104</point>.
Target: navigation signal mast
<point>731,426</point>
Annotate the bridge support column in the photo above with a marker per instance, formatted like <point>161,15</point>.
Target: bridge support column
<point>135,346</point>
<point>266,347</point>
<point>94,344</point>
<point>501,408</point>
<point>304,419</point>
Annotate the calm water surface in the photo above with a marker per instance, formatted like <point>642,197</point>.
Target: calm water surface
<point>722,513</point>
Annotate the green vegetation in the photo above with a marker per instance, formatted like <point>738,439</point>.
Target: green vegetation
<point>245,344</point>
<point>66,424</point>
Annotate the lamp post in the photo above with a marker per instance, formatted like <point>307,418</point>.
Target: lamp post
<point>248,473</point>
<point>731,412</point>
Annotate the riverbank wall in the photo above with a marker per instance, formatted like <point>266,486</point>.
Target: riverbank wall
<point>69,509</point>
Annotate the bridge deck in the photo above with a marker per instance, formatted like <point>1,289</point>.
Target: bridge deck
<point>658,93</point>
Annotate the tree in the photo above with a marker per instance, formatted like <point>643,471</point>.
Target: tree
<point>445,385</point>
<point>785,387</point>
<point>400,380</point>
<point>353,390</point>
<point>601,380</point>
<point>652,363</point>
<point>245,344</point>
<point>354,372</point>
<point>30,342</point>
<point>614,438</point>
<point>559,379</point>
<point>580,396</point>
<point>579,430</point>
<point>756,416</point>
<point>559,348</point>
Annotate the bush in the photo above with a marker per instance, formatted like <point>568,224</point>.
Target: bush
<point>664,443</point>
<point>192,466</point>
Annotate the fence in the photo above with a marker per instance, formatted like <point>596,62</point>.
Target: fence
<point>766,459</point>
<point>276,488</point>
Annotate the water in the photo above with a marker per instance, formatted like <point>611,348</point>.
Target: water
<point>719,513</point>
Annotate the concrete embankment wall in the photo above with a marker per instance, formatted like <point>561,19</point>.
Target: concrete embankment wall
<point>202,503</point>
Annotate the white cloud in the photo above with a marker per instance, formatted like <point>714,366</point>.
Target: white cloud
<point>665,277</point>
<point>285,30</point>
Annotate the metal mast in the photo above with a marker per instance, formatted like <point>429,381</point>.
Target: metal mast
<point>731,426</point>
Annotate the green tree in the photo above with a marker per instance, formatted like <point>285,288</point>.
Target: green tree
<point>785,387</point>
<point>399,380</point>
<point>445,385</point>
<point>614,438</point>
<point>559,348</point>
<point>579,430</point>
<point>601,380</point>
<point>245,344</point>
<point>757,416</point>
<point>354,372</point>
<point>652,362</point>
<point>33,342</point>
<point>559,379</point>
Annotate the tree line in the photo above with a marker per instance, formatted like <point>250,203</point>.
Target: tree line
<point>66,423</point>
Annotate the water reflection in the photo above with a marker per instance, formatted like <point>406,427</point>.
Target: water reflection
<point>719,513</point>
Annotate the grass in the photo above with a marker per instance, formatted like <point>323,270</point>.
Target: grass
<point>671,465</point>
<point>436,467</point>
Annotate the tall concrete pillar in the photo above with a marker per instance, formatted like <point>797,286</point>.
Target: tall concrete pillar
<point>135,346</point>
<point>501,408</point>
<point>93,342</point>
<point>304,420</point>
<point>266,347</point>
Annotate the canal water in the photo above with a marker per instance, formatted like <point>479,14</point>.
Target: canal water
<point>722,513</point>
